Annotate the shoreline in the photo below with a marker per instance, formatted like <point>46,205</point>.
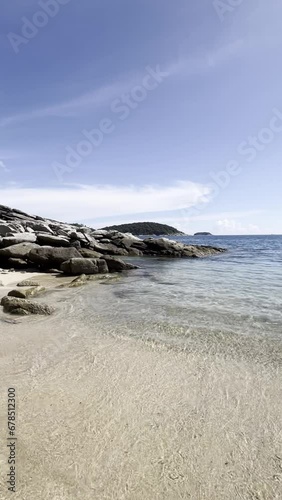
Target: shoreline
<point>107,416</point>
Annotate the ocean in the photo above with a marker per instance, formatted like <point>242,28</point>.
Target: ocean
<point>171,300</point>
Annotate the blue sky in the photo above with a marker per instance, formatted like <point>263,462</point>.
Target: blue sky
<point>143,110</point>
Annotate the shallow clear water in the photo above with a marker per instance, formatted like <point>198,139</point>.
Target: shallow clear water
<point>237,292</point>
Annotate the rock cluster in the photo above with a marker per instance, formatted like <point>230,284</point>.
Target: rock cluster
<point>28,241</point>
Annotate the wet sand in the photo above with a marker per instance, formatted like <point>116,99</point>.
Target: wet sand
<point>102,416</point>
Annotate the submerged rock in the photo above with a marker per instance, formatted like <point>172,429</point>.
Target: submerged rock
<point>26,292</point>
<point>28,283</point>
<point>79,281</point>
<point>14,305</point>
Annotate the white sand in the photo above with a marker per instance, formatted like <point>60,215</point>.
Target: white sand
<point>11,279</point>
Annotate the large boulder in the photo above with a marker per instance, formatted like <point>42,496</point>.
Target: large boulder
<point>19,251</point>
<point>40,227</point>
<point>19,238</point>
<point>89,254</point>
<point>14,305</point>
<point>49,257</point>
<point>80,266</point>
<point>55,241</point>
<point>126,240</point>
<point>109,249</point>
<point>116,265</point>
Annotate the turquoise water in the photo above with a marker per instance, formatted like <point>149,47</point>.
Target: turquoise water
<point>237,292</point>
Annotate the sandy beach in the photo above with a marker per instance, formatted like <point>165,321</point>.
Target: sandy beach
<point>103,416</point>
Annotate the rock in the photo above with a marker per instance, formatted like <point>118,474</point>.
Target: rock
<point>18,251</point>
<point>169,248</point>
<point>28,283</point>
<point>126,241</point>
<point>19,238</point>
<point>19,311</point>
<point>55,241</point>
<point>79,281</point>
<point>134,252</point>
<point>12,304</point>
<point>17,263</point>
<point>109,249</point>
<point>80,266</point>
<point>40,227</point>
<point>26,292</point>
<point>48,257</point>
<point>5,228</point>
<point>102,266</point>
<point>89,254</point>
<point>117,265</point>
<point>75,244</point>
<point>100,232</point>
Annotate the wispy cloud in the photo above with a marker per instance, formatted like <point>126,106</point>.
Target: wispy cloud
<point>83,103</point>
<point>103,95</point>
<point>76,203</point>
<point>207,61</point>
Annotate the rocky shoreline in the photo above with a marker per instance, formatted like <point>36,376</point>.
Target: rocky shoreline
<point>35,244</point>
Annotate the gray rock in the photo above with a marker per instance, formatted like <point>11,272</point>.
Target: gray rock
<point>18,251</point>
<point>79,281</point>
<point>19,238</point>
<point>134,252</point>
<point>55,241</point>
<point>117,265</point>
<point>19,312</point>
<point>28,283</point>
<point>24,293</point>
<point>89,254</point>
<point>80,266</point>
<point>102,266</point>
<point>41,227</point>
<point>169,248</point>
<point>12,304</point>
<point>109,249</point>
<point>49,257</point>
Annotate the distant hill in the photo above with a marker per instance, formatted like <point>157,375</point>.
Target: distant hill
<point>145,228</point>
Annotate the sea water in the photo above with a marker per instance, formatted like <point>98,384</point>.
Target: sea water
<point>237,292</point>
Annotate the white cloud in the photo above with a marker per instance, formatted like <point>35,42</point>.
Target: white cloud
<point>230,226</point>
<point>76,203</point>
